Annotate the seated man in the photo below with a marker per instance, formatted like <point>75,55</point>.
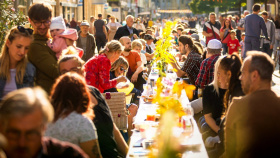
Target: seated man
<point>192,64</point>
<point>206,72</point>
<point>24,115</point>
<point>135,70</point>
<point>251,128</point>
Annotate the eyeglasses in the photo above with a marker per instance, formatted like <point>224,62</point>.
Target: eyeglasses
<point>23,30</point>
<point>122,69</point>
<point>74,69</point>
<point>46,23</point>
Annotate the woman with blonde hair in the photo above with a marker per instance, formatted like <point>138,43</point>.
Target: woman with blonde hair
<point>98,67</point>
<point>139,26</point>
<point>15,70</point>
<point>113,27</point>
<point>119,68</point>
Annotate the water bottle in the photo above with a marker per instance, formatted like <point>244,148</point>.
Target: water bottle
<point>189,110</point>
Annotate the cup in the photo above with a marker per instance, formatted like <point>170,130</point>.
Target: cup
<point>151,117</point>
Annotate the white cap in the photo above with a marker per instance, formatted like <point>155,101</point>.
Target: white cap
<point>84,23</point>
<point>214,44</point>
<point>57,23</point>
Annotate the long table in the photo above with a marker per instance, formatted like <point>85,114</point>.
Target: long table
<point>196,138</point>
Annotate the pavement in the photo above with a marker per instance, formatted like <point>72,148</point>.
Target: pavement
<point>275,77</point>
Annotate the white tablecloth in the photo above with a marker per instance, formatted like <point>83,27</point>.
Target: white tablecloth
<point>141,116</point>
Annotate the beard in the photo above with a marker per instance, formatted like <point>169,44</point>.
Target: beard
<point>127,49</point>
<point>184,52</point>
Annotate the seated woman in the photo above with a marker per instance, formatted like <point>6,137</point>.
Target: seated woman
<point>70,98</point>
<point>231,66</point>
<point>119,68</point>
<point>98,67</point>
<point>111,141</point>
<point>15,70</point>
<point>213,95</point>
<point>226,85</point>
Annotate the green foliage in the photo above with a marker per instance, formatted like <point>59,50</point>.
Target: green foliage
<point>207,6</point>
<point>9,18</point>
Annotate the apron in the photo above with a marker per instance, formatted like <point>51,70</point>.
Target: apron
<point>113,30</point>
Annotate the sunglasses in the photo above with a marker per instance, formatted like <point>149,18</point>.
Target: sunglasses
<point>123,69</point>
<point>23,30</point>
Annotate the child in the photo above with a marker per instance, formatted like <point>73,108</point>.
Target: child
<point>233,43</point>
<point>242,44</point>
<point>62,37</point>
<point>137,46</point>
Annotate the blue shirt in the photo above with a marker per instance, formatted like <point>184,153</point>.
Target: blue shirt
<point>253,26</point>
<point>131,32</point>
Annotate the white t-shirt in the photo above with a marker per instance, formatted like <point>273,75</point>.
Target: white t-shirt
<point>143,58</point>
<point>114,24</point>
<point>75,128</point>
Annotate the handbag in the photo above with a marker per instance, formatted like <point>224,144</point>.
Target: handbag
<point>225,36</point>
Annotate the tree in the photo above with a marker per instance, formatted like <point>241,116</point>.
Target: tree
<point>207,6</point>
<point>9,18</point>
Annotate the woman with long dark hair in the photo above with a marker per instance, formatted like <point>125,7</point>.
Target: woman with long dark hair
<point>228,68</point>
<point>73,116</point>
<point>225,35</point>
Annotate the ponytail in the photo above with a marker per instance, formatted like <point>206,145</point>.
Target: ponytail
<point>233,64</point>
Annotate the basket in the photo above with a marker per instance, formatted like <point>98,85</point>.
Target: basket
<point>117,104</point>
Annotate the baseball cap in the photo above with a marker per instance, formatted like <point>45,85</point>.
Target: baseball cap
<point>195,37</point>
<point>214,44</point>
<point>84,23</point>
<point>148,37</point>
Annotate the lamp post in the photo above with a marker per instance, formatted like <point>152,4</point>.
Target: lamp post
<point>83,9</point>
<point>249,5</point>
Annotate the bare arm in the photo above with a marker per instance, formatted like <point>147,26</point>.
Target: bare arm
<point>222,34</point>
<point>138,70</point>
<point>94,30</point>
<point>207,34</point>
<point>91,148</point>
<point>211,122</point>
<point>105,31</point>
<point>240,28</point>
<point>121,144</point>
<point>179,72</point>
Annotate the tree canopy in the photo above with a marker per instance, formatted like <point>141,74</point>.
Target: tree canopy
<point>207,6</point>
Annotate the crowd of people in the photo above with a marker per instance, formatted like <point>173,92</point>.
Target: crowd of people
<point>65,115</point>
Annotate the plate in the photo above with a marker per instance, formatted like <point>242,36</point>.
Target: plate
<point>128,89</point>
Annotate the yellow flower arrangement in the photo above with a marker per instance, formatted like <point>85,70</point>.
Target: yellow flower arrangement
<point>162,55</point>
<point>162,58</point>
<point>170,108</point>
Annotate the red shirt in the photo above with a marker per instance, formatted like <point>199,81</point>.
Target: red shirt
<point>132,59</point>
<point>225,40</point>
<point>98,73</point>
<point>233,45</point>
